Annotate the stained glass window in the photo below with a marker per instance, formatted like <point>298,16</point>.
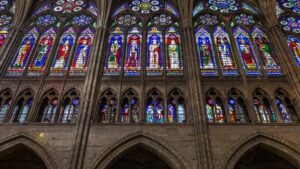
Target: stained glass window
<point>205,51</point>
<point>286,117</point>
<point>93,9</point>
<point>108,110</point>
<point>126,20</point>
<point>145,6</point>
<point>69,6</point>
<point>224,51</point>
<point>119,9</point>
<point>41,9</point>
<point>223,6</point>
<point>3,112</point>
<point>6,18</point>
<point>176,109</point>
<point>130,110</point>
<point>154,54</point>
<point>214,110</point>
<point>266,52</point>
<point>162,20</point>
<point>249,8</point>
<point>198,8</point>
<point>208,19</point>
<point>174,59</point>
<point>133,56</point>
<point>290,23</point>
<point>170,8</point>
<point>46,20</point>
<point>264,111</point>
<point>49,111</point>
<point>82,20</point>
<point>114,55</point>
<point>244,19</point>
<point>24,51</point>
<point>46,42</point>
<point>70,111</point>
<point>82,53</point>
<point>294,45</point>
<point>292,5</point>
<point>154,108</point>
<point>24,111</point>
<point>237,110</point>
<point>246,51</point>
<point>63,53</point>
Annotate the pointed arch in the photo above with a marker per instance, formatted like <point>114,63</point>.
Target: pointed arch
<point>48,106</point>
<point>237,108</point>
<point>36,144</point>
<point>151,143</point>
<point>272,143</point>
<point>176,106</point>
<point>263,107</point>
<point>130,106</point>
<point>215,107</point>
<point>154,107</point>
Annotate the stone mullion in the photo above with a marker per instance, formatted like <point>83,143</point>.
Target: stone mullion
<point>284,57</point>
<point>143,76</point>
<point>87,101</point>
<point>197,103</point>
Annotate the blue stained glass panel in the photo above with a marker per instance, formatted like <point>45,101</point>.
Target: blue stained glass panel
<point>133,57</point>
<point>223,6</point>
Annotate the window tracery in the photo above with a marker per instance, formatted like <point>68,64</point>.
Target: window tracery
<point>22,107</point>
<point>237,23</point>
<point>5,102</point>
<point>285,106</point>
<point>214,107</point>
<point>155,112</point>
<point>7,11</point>
<point>48,107</point>
<point>70,107</point>
<point>132,19</point>
<point>237,108</point>
<point>263,107</point>
<point>108,107</point>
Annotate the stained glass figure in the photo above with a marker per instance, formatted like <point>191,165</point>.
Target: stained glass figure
<point>293,5</point>
<point>62,55</point>
<point>174,58</point>
<point>145,6</point>
<point>130,110</point>
<point>24,51</point>
<point>265,50</point>
<point>3,112</point>
<point>154,54</point>
<point>198,8</point>
<point>154,113</point>
<point>205,51</point>
<point>237,110</point>
<point>215,113</point>
<point>224,51</point>
<point>172,114</point>
<point>133,56</point>
<point>208,19</point>
<point>294,45</point>
<point>246,51</point>
<point>170,8</point>
<point>46,20</point>
<point>114,54</point>
<point>223,6</point>
<point>82,20</point>
<point>286,117</point>
<point>69,6</point>
<point>264,112</point>
<point>82,53</point>
<point>41,9</point>
<point>70,111</point>
<point>126,20</point>
<point>244,19</point>
<point>46,42</point>
<point>290,23</point>
<point>108,110</point>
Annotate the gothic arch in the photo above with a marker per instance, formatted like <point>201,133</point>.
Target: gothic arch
<point>151,143</point>
<point>275,145</point>
<point>37,145</point>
